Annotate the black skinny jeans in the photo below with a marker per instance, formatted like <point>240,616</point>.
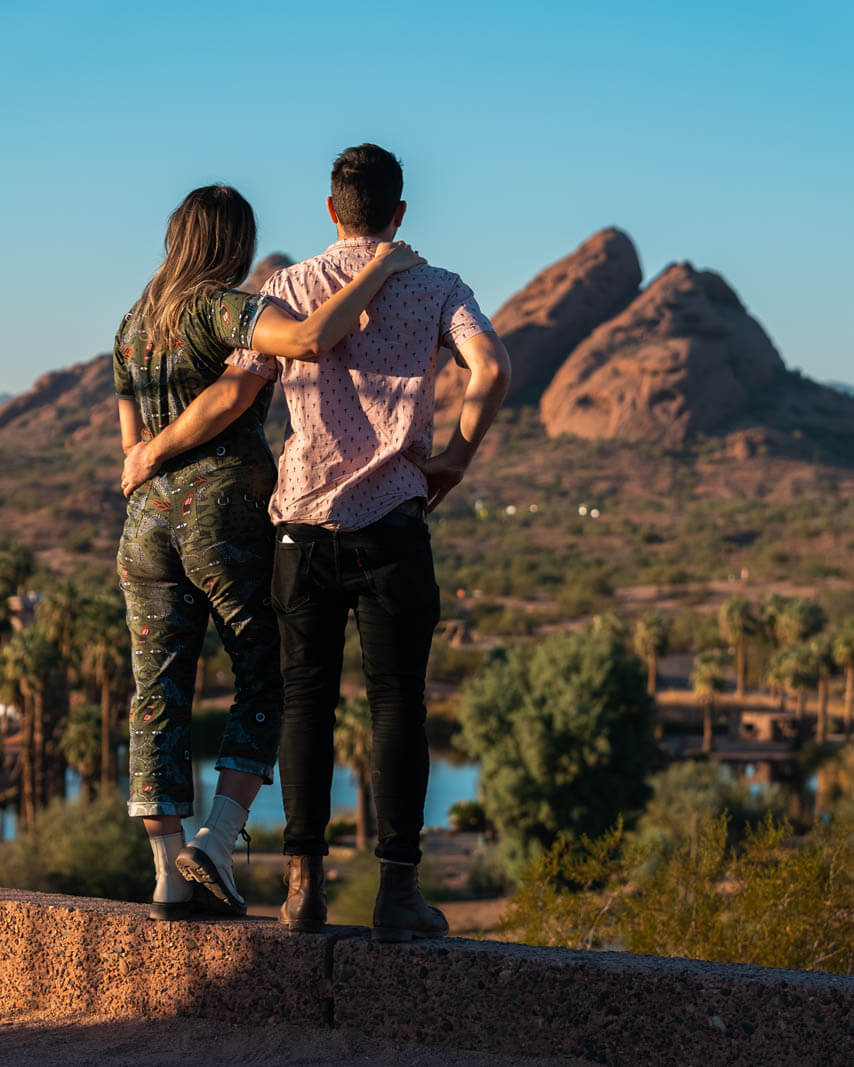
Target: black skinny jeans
<point>384,572</point>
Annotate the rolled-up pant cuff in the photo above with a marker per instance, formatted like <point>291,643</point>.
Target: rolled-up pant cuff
<point>248,766</point>
<point>153,808</point>
<point>398,853</point>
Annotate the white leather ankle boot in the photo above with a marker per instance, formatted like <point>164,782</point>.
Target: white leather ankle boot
<point>172,894</point>
<point>207,858</point>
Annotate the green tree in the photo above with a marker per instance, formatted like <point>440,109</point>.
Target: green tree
<point>707,680</point>
<point>794,669</point>
<point>563,732</point>
<point>353,750</point>
<point>105,666</point>
<point>821,646</point>
<point>689,790</point>
<point>799,620</point>
<point>843,653</point>
<point>651,638</point>
<point>738,624</point>
<point>29,666</point>
<point>17,564</point>
<point>81,745</point>
<point>58,613</point>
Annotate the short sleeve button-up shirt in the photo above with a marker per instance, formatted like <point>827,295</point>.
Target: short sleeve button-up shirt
<point>370,399</point>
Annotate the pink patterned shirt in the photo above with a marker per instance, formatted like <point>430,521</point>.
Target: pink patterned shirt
<point>371,398</point>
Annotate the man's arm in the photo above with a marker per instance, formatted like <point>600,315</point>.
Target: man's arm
<point>209,414</point>
<point>486,357</point>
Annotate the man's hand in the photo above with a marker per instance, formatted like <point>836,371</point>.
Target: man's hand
<point>139,467</point>
<point>443,472</point>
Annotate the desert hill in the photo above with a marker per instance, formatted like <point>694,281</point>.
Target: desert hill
<point>676,366</point>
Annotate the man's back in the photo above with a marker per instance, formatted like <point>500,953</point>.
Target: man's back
<point>371,398</point>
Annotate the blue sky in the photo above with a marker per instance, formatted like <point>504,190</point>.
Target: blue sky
<point>720,134</point>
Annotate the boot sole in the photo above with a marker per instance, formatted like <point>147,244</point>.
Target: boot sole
<point>395,934</point>
<point>169,913</point>
<point>197,866</point>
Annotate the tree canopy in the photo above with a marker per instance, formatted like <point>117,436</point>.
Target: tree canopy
<point>563,731</point>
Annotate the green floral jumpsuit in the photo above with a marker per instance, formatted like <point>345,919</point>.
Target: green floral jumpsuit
<point>197,542</point>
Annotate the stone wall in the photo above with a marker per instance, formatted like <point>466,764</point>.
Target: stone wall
<point>106,958</point>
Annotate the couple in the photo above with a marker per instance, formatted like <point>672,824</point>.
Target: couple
<point>352,335</point>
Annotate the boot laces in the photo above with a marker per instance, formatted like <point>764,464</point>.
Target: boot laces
<point>248,839</point>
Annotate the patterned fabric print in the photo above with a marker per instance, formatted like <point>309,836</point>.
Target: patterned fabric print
<point>355,411</point>
<point>164,383</point>
<point>195,542</point>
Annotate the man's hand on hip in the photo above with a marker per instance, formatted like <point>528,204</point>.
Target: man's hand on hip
<point>139,467</point>
<point>443,472</point>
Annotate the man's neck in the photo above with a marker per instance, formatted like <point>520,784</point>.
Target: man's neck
<point>348,235</point>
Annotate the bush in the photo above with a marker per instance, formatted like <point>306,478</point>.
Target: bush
<point>563,732</point>
<point>487,873</point>
<point>467,815</point>
<point>87,850</point>
<point>776,902</point>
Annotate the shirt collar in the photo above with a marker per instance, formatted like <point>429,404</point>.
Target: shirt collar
<point>354,242</point>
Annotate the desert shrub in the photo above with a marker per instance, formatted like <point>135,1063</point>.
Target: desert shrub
<point>776,902</point>
<point>88,850</point>
<point>688,791</point>
<point>452,665</point>
<point>487,873</point>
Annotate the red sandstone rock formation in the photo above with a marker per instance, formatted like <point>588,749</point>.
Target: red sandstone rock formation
<point>543,322</point>
<point>684,358</point>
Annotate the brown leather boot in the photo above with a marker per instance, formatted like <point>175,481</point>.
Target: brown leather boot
<point>304,912</point>
<point>401,912</point>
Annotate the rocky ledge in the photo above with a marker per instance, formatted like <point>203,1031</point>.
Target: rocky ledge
<point>105,958</point>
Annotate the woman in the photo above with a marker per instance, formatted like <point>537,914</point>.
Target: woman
<point>197,540</point>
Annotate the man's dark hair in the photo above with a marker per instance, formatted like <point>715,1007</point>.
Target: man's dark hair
<point>366,185</point>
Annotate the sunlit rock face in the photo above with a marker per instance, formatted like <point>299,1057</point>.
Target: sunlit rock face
<point>542,323</point>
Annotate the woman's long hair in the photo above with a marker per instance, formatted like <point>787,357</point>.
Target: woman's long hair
<point>210,243</point>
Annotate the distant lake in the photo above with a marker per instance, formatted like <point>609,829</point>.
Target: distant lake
<point>449,782</point>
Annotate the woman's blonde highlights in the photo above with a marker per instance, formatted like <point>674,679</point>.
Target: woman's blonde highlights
<point>210,243</point>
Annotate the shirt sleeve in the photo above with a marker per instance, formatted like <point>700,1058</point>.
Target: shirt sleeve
<point>233,315</point>
<point>122,380</point>
<point>265,366</point>
<point>461,319</point>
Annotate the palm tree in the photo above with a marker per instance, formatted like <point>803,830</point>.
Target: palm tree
<point>821,646</point>
<point>81,744</point>
<point>770,609</point>
<point>28,668</point>
<point>799,620</point>
<point>106,667</point>
<point>843,653</point>
<point>17,563</point>
<point>795,670</point>
<point>58,613</point>
<point>651,638</point>
<point>707,679</point>
<point>737,623</point>
<point>353,750</point>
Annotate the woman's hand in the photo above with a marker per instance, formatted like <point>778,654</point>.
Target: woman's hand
<point>397,256</point>
<point>139,467</point>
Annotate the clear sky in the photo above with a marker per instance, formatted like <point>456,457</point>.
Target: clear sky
<point>718,133</point>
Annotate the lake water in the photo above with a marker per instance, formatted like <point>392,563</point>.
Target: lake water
<point>449,782</point>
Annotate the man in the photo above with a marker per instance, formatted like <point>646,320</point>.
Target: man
<point>355,480</point>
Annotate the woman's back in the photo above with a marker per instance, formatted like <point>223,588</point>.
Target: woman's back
<point>163,381</point>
